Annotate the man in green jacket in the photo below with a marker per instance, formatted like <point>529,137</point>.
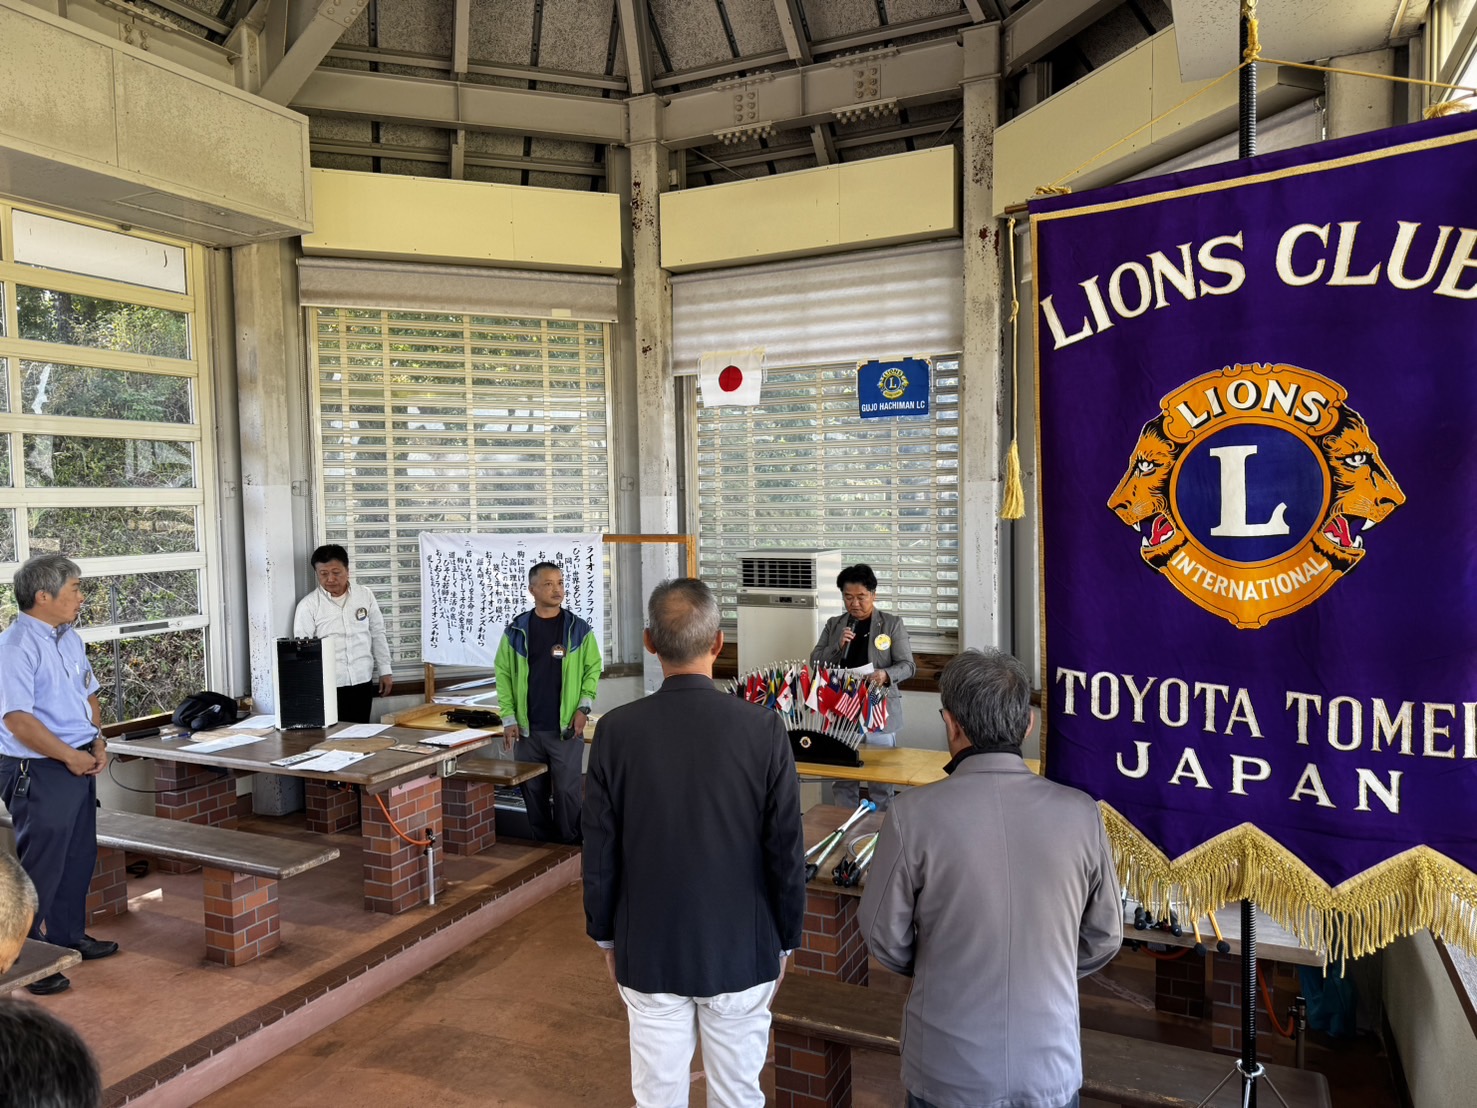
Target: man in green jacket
<point>548,667</point>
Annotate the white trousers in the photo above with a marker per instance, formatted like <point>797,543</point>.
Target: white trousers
<point>664,1032</point>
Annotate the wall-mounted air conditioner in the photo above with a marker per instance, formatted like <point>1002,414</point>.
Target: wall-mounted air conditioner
<point>784,599</point>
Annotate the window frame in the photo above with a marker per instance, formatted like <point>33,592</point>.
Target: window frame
<point>203,497</point>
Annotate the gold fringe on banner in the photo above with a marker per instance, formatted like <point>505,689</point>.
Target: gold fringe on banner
<point>1417,889</point>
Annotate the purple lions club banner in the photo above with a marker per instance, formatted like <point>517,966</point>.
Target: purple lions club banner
<point>1257,394</point>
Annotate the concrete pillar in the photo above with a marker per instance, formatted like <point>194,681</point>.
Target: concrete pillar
<point>625,438</point>
<point>655,399</point>
<point>984,400</point>
<point>269,368</point>
<point>1360,104</point>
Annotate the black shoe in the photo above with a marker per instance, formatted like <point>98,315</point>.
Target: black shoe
<point>92,949</point>
<point>49,986</point>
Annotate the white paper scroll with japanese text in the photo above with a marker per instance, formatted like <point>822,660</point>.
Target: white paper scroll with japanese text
<point>473,585</point>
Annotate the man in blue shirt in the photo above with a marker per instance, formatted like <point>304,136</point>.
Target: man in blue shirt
<point>51,753</point>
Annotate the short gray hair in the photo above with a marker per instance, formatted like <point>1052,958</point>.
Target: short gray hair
<point>988,692</point>
<point>17,899</point>
<point>43,573</point>
<point>682,618</point>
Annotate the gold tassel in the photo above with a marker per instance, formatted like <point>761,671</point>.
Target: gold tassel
<point>1013,498</point>
<point>1013,503</point>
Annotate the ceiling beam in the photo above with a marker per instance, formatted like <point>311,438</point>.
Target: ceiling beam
<point>792,29</point>
<point>1038,28</point>
<point>325,23</point>
<point>485,69</point>
<point>636,36</point>
<point>461,36</point>
<point>819,49</point>
<point>432,156</point>
<point>356,94</point>
<point>906,76</point>
<point>976,11</point>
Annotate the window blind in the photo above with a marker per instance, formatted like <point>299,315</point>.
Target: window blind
<point>896,302</point>
<point>436,421</point>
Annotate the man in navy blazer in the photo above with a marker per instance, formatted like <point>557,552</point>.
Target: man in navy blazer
<point>694,862</point>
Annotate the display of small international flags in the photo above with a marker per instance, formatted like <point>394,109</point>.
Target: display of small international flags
<point>817,698</point>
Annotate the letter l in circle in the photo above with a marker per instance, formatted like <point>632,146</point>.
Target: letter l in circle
<point>1233,522</point>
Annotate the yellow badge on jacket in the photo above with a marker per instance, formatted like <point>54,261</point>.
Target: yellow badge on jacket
<point>883,641</point>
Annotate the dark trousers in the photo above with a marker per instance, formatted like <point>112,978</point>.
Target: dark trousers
<point>56,840</point>
<point>919,1102</point>
<point>354,701</point>
<point>553,799</point>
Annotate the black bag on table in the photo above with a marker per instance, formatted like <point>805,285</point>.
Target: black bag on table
<point>202,711</point>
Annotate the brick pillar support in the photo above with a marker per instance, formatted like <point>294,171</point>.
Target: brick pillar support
<point>467,808</point>
<point>241,916</point>
<point>331,806</point>
<point>394,870</point>
<point>108,893</point>
<point>195,794</point>
<point>1179,985</point>
<point>832,943</point>
<point>810,1072</point>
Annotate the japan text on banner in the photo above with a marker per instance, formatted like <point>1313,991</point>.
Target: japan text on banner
<point>1257,402</point>
<point>886,390</point>
<point>731,376</point>
<point>473,585</point>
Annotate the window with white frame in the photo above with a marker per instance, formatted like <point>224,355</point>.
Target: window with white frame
<point>803,470</point>
<point>103,448</point>
<point>456,423</point>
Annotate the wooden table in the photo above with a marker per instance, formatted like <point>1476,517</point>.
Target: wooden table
<point>890,765</point>
<point>399,793</point>
<point>37,960</point>
<point>432,717</point>
<point>378,773</point>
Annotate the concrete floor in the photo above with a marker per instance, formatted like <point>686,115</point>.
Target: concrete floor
<point>522,1014</point>
<point>525,1016</point>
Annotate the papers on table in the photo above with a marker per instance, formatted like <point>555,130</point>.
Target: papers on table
<point>455,738</point>
<point>222,742</point>
<point>331,760</point>
<point>256,723</point>
<point>455,700</point>
<point>360,731</point>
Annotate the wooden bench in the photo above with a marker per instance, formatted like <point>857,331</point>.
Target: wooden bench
<point>811,1010</point>
<point>242,920</point>
<point>37,960</point>
<point>468,798</point>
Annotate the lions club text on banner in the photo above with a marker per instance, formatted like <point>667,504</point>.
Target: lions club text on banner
<point>473,585</point>
<point>1256,395</point>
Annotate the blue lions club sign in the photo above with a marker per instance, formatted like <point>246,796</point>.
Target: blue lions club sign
<point>888,389</point>
<point>1259,604</point>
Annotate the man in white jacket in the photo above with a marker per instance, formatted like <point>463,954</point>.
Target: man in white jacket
<point>347,617</point>
<point>993,889</point>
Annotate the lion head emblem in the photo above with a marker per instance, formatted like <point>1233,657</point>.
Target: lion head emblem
<point>1364,492</point>
<point>1253,490</point>
<point>1143,494</point>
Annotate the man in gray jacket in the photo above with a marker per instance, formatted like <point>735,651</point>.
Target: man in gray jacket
<point>995,890</point>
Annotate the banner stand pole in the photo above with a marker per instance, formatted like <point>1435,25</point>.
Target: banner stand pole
<point>1250,1070</point>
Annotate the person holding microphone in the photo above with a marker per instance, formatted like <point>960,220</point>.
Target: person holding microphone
<point>874,643</point>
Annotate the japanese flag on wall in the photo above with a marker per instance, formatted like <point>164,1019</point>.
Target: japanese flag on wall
<point>731,376</point>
